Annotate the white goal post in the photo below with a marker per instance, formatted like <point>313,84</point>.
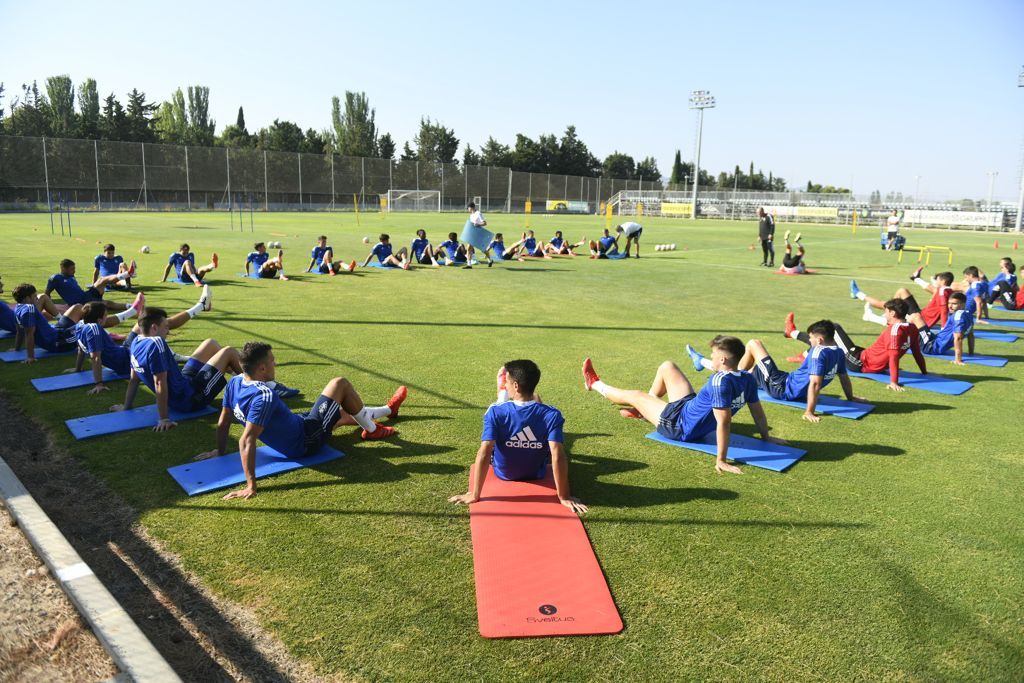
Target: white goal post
<point>414,200</point>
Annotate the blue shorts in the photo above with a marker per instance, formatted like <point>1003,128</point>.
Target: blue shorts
<point>319,422</point>
<point>770,378</point>
<point>668,421</point>
<point>67,337</point>
<point>207,381</point>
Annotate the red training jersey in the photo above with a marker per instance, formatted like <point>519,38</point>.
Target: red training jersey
<point>890,347</point>
<point>1020,299</point>
<point>937,309</point>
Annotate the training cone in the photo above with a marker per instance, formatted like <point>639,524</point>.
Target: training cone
<point>996,245</point>
<point>1015,246</point>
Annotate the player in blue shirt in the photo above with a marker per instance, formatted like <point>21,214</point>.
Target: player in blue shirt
<point>68,288</point>
<point>690,415</point>
<point>976,291</point>
<point>529,246</point>
<point>387,256</point>
<point>185,390</point>
<point>110,263</point>
<point>184,263</point>
<point>249,400</point>
<point>267,267</point>
<point>605,246</point>
<point>559,246</point>
<point>821,364</point>
<point>1003,287</point>
<point>503,253</point>
<point>422,251</point>
<point>949,340</point>
<point>322,258</point>
<point>454,253</point>
<point>521,437</point>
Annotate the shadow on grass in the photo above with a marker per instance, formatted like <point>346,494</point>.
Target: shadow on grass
<point>903,407</point>
<point>831,451</point>
<point>542,270</point>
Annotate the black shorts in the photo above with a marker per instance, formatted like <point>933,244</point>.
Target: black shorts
<point>791,261</point>
<point>770,378</point>
<point>207,381</point>
<point>424,259</point>
<point>319,422</point>
<point>636,235</point>
<point>92,294</point>
<point>668,421</point>
<point>912,305</point>
<point>268,273</point>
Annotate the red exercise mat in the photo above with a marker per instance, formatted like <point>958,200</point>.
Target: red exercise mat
<point>536,572</point>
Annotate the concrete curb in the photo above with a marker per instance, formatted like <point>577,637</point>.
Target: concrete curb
<point>127,645</point>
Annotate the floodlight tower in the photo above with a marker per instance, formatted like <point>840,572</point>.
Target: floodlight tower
<point>701,100</point>
<point>1020,198</point>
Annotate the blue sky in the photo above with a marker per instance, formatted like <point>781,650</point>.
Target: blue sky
<point>866,94</point>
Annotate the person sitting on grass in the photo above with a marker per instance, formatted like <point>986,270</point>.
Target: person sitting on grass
<point>503,253</point>
<point>793,264</point>
<point>821,365</point>
<point>935,312</point>
<point>322,258</point>
<point>249,399</point>
<point>266,267</point>
<point>1003,287</point>
<point>186,390</point>
<point>422,251</point>
<point>68,288</point>
<point>110,263</point>
<point>34,329</point>
<point>184,263</point>
<point>559,246</point>
<point>689,415</point>
<point>457,254</point>
<point>632,231</point>
<point>605,246</point>
<point>521,437</point>
<point>529,246</point>
<point>898,337</point>
<point>386,255</point>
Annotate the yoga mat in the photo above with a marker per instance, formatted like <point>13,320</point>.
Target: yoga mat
<point>536,572</point>
<point>226,470</point>
<point>742,449</point>
<point>827,405</point>
<point>477,236</point>
<point>616,257</point>
<point>444,262</point>
<point>17,356</point>
<point>995,336</point>
<point>993,307</point>
<point>971,359</point>
<point>378,264</point>
<point>126,421</point>
<point>999,322</point>
<point>73,380</point>
<point>179,281</point>
<point>4,334</point>
<point>912,380</point>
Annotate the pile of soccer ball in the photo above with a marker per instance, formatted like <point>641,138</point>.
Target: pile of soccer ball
<point>274,245</point>
<point>664,247</point>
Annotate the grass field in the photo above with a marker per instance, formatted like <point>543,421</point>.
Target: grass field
<point>894,550</point>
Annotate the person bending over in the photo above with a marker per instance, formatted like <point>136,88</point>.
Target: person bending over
<point>632,232</point>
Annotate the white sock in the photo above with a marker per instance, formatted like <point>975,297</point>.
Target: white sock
<point>862,296</point>
<point>364,420</point>
<point>195,310</point>
<point>794,334</point>
<point>378,412</point>
<point>706,364</point>
<point>123,276</point>
<point>920,282</point>
<point>600,387</point>
<point>125,314</point>
<point>872,317</point>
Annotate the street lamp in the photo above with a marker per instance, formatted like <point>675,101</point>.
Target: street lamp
<point>701,100</point>
<point>917,190</point>
<point>1020,198</point>
<point>991,185</point>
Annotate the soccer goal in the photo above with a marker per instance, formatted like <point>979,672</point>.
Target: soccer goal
<point>414,200</point>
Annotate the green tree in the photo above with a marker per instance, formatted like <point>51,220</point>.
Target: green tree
<point>469,157</point>
<point>314,142</point>
<point>61,110</point>
<point>280,136</point>
<point>113,123</point>
<point>386,146</point>
<point>355,131</point>
<point>573,156</point>
<point>200,126</point>
<point>647,169</point>
<point>236,134</point>
<point>408,154</point>
<point>1,109</point>
<point>171,122</point>
<point>493,153</point>
<point>29,113</point>
<point>525,156</point>
<point>682,172</point>
<point>434,142</point>
<point>88,109</point>
<point>618,165</point>
<point>139,117</point>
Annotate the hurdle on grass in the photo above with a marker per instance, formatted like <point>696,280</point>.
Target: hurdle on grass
<point>926,251</point>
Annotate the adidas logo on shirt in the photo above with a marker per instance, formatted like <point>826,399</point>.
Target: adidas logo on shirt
<point>525,439</point>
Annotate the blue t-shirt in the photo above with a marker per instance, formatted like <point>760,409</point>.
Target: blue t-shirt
<point>149,357</point>
<point>318,253</point>
<point>724,390</point>
<point>607,242</point>
<point>530,244</point>
<point>382,251</point>
<point>452,247</point>
<point>497,247</point>
<point>177,260</point>
<point>418,246</point>
<point>521,432</point>
<point>1010,280</point>
<point>46,336</point>
<point>825,361</point>
<point>257,259</point>
<point>92,338</point>
<point>7,320</point>
<point>107,266</point>
<point>68,288</point>
<point>979,288</point>
<point>253,401</point>
<point>962,322</point>
<point>556,242</point>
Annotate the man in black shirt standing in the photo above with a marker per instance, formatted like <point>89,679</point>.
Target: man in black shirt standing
<point>766,231</point>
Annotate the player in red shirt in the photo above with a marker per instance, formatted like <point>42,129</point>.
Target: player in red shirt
<point>936,311</point>
<point>898,337</point>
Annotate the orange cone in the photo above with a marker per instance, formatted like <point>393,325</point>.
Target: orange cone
<point>996,245</point>
<point>1015,246</point>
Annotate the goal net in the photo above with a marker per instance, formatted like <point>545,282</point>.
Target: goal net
<point>414,200</point>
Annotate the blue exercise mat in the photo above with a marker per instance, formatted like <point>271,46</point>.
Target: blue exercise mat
<point>999,322</point>
<point>477,236</point>
<point>971,359</point>
<point>18,356</point>
<point>912,380</point>
<point>4,334</point>
<point>616,257</point>
<point>179,281</point>
<point>1006,310</point>
<point>226,470</point>
<point>378,264</point>
<point>73,380</point>
<point>742,449</point>
<point>995,336</point>
<point>827,405</point>
<point>444,262</point>
<point>126,421</point>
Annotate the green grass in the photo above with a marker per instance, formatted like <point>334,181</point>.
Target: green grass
<point>893,550</point>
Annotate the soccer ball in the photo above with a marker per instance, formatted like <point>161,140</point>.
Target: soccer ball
<point>366,240</point>
<point>145,249</point>
<point>672,248</point>
<point>657,247</point>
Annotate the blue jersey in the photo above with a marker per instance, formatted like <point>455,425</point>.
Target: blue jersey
<point>497,247</point>
<point>253,401</point>
<point>149,357</point>
<point>724,390</point>
<point>530,245</point>
<point>92,338</point>
<point>177,260</point>
<point>418,247</point>
<point>68,288</point>
<point>452,247</point>
<point>607,242</point>
<point>61,338</point>
<point>7,320</point>
<point>556,242</point>
<point>382,251</point>
<point>318,253</point>
<point>521,432</point>
<point>824,361</point>
<point>961,322</point>
<point>108,266</point>
<point>979,288</point>
<point>1010,280</point>
<point>257,259</point>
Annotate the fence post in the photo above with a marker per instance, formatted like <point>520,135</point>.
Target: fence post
<point>266,192</point>
<point>417,176</point>
<point>227,158</point>
<point>488,200</point>
<point>597,199</point>
<point>391,186</point>
<point>46,175</point>
<point>362,185</point>
<point>465,184</point>
<point>299,155</point>
<point>332,182</point>
<point>145,190</point>
<point>508,202</point>
<point>441,200</point>
<point>188,182</point>
<point>96,156</point>
<point>547,191</point>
